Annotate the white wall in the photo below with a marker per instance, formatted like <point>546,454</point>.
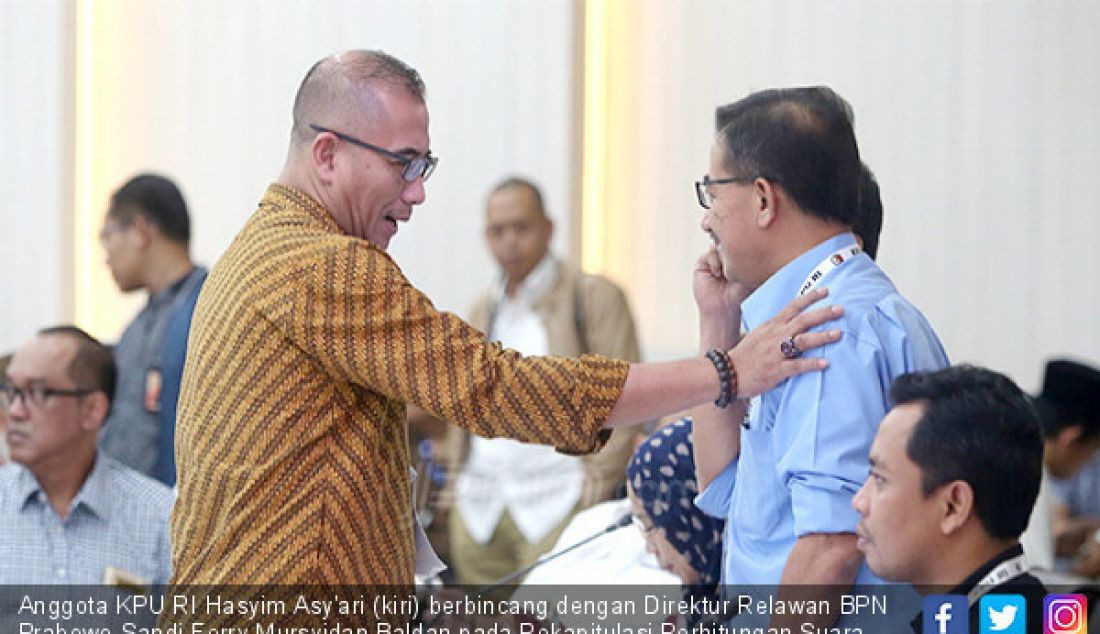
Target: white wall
<point>202,90</point>
<point>977,118</point>
<point>975,115</point>
<point>35,170</point>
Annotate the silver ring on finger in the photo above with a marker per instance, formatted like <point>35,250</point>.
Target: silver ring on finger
<point>789,348</point>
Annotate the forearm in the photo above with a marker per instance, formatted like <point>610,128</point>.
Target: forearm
<point>820,567</point>
<point>652,390</point>
<point>717,438</point>
<point>716,431</point>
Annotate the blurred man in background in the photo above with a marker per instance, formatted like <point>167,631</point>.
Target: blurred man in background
<point>512,499</point>
<point>1069,407</point>
<point>146,236</point>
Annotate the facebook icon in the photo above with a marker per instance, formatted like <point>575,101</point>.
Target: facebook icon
<point>946,614</point>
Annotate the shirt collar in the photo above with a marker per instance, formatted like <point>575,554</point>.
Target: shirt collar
<point>169,292</point>
<point>537,285</point>
<point>26,487</point>
<point>280,195</point>
<point>779,289</point>
<point>94,494</point>
<point>968,584</point>
<point>284,197</point>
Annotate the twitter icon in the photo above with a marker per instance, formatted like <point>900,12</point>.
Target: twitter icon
<point>1003,613</point>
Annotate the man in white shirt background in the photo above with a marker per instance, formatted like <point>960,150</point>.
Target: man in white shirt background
<point>511,499</point>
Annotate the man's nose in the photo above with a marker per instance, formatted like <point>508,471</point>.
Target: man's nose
<point>17,406</point>
<point>858,499</point>
<point>414,192</point>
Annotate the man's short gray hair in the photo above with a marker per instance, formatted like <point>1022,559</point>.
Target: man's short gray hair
<point>333,79</point>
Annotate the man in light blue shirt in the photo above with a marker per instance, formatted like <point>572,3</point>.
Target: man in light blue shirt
<point>69,514</point>
<point>780,197</point>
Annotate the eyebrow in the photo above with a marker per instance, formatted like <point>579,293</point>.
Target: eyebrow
<point>412,152</point>
<point>29,381</point>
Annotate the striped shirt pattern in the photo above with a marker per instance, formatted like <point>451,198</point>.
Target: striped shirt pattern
<point>291,442</point>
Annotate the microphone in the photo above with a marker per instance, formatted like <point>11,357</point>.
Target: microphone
<point>623,521</point>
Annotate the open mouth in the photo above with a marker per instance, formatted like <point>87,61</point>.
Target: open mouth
<point>392,221</point>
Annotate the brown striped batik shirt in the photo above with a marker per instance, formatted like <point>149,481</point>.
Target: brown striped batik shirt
<point>291,444</point>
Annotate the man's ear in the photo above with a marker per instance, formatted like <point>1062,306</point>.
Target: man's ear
<point>1069,435</point>
<point>93,411</point>
<point>143,229</point>
<point>323,153</point>
<point>765,196</point>
<point>956,505</point>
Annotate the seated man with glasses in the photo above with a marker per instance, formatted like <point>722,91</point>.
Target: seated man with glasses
<point>68,513</point>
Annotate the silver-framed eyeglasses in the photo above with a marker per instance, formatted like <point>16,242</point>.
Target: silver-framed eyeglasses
<point>702,188</point>
<point>413,167</point>
<point>36,395</point>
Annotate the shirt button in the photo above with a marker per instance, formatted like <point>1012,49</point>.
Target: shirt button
<point>60,572</point>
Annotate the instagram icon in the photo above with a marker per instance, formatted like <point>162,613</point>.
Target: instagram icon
<point>1065,614</point>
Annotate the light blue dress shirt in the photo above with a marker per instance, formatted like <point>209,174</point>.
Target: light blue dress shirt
<point>805,453</point>
<point>119,518</point>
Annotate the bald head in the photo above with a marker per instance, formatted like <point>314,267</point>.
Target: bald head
<point>340,89</point>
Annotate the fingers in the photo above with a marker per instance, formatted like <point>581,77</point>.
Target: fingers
<point>798,304</point>
<point>801,366</point>
<point>811,340</point>
<point>809,319</point>
<point>710,262</point>
<point>706,259</point>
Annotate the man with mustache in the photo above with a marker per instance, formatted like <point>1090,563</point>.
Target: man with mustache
<point>779,200</point>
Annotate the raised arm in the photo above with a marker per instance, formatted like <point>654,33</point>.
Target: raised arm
<point>756,358</point>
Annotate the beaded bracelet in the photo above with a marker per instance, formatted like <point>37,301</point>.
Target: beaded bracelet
<point>726,376</point>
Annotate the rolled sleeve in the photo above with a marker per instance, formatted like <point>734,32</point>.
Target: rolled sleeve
<point>715,499</point>
<point>830,419</point>
<point>823,505</point>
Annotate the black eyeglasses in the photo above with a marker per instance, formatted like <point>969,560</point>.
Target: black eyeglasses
<point>414,167</point>
<point>702,188</point>
<point>35,395</point>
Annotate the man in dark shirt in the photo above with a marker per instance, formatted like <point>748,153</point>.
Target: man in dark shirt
<point>955,470</point>
<point>146,236</point>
